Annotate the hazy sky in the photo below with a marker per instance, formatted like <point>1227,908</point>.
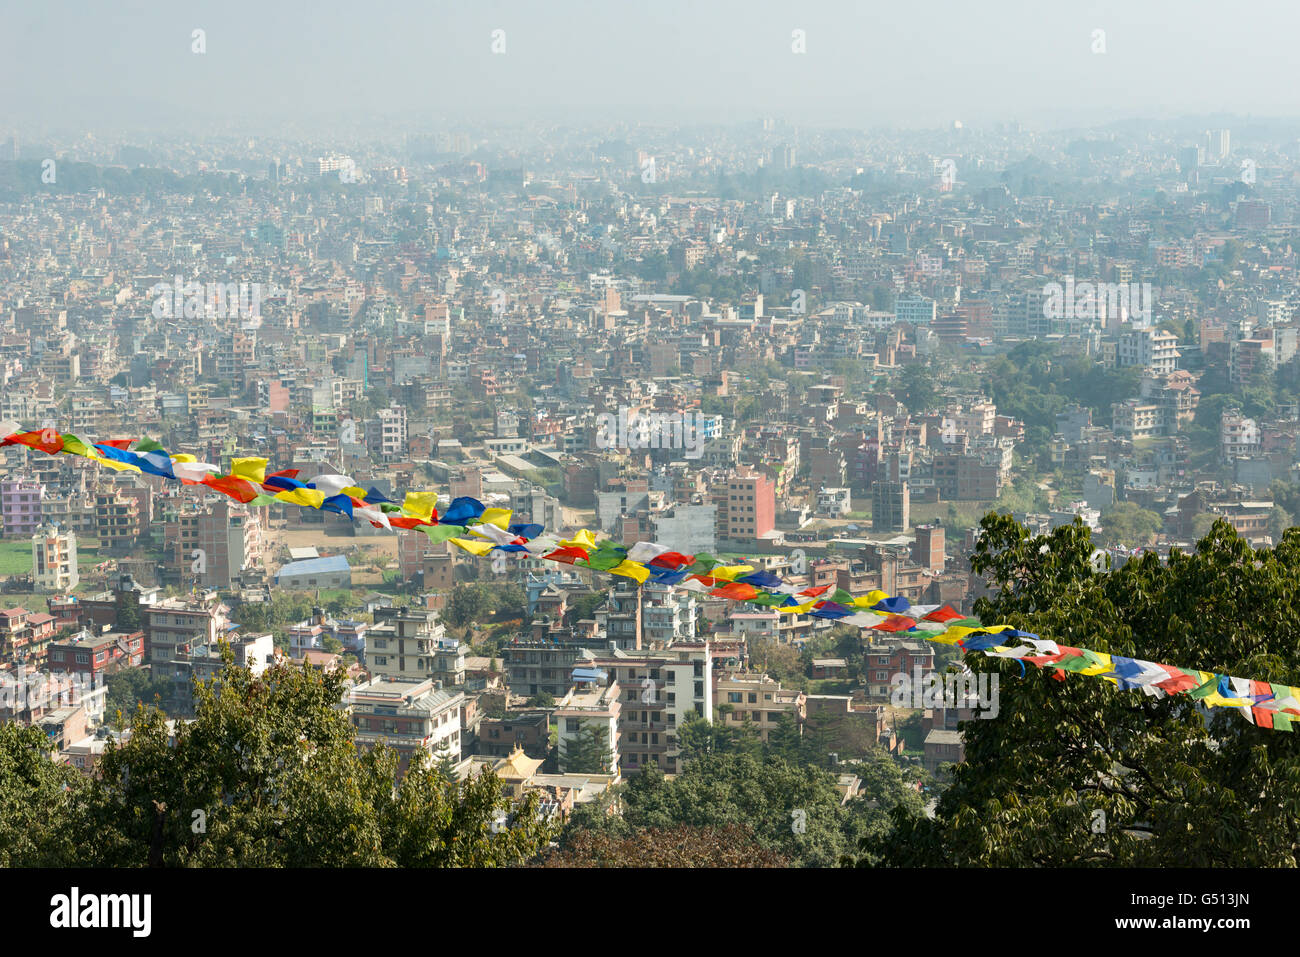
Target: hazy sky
<point>70,64</point>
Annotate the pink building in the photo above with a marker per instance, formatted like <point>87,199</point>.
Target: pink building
<point>20,507</point>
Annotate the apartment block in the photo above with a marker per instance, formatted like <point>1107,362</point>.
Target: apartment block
<point>412,717</point>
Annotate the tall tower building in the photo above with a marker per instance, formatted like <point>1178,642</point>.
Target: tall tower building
<point>54,559</point>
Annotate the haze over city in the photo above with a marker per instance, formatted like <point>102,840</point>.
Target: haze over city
<point>269,66</point>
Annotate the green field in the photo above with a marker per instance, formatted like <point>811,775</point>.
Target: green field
<point>15,556</point>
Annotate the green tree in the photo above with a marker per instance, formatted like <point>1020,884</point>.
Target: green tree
<point>679,846</point>
<point>794,811</point>
<point>39,802</point>
<point>588,753</point>
<point>268,774</point>
<point>915,388</point>
<point>1279,520</point>
<point>466,603</point>
<point>1172,782</point>
<point>1130,524</point>
<point>129,689</point>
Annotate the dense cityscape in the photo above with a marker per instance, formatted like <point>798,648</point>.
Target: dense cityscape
<point>625,494</point>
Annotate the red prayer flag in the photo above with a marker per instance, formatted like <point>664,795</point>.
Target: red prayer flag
<point>672,560</point>
<point>896,623</point>
<point>47,440</point>
<point>736,591</point>
<point>406,521</point>
<point>239,489</point>
<point>942,615</point>
<point>569,554</point>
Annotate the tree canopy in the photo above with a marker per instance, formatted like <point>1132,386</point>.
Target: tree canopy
<point>267,775</point>
<point>1079,772</point>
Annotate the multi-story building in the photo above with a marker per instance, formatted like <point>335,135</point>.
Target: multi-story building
<point>412,717</point>
<point>660,689</point>
<point>20,507</point>
<point>884,662</point>
<point>413,645</point>
<point>97,654</point>
<point>589,712</point>
<point>1136,419</point>
<point>386,433</point>
<point>198,661</point>
<point>310,635</point>
<point>757,700</point>
<point>539,666</point>
<point>175,623</point>
<point>530,730</point>
<point>916,310</point>
<point>213,545</point>
<point>119,523</point>
<point>891,506</point>
<point>54,559</point>
<point>668,615</point>
<point>1151,349</point>
<point>689,529</point>
<point>746,506</point>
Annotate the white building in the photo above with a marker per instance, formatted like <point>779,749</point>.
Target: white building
<point>834,501</point>
<point>1152,349</point>
<point>688,529</point>
<point>659,690</point>
<point>54,559</point>
<point>917,310</point>
<point>410,716</point>
<point>591,705</point>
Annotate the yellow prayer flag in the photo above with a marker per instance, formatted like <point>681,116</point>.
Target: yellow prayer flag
<point>870,599</point>
<point>500,517</point>
<point>584,539</point>
<point>252,469</point>
<point>631,570</point>
<point>729,573</point>
<point>308,497</point>
<point>420,505</point>
<point>474,548</point>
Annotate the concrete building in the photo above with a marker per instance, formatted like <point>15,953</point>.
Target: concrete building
<point>746,506</point>
<point>412,717</point>
<point>891,507</point>
<point>757,700</point>
<point>177,622</point>
<point>331,572</point>
<point>20,507</point>
<point>54,559</point>
<point>660,689</point>
<point>689,529</point>
<point>212,545</point>
<point>411,644</point>
<point>590,710</point>
<point>834,502</point>
<point>1152,349</point>
<point>199,661</point>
